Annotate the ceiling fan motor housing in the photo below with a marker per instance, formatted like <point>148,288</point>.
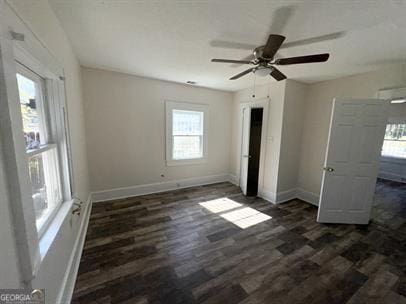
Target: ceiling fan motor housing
<point>258,52</point>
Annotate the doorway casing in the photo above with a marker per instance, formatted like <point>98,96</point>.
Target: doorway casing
<point>244,141</point>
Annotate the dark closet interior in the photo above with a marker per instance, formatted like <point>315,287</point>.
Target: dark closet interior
<point>254,151</point>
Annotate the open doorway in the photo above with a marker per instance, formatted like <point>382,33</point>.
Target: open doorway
<point>389,205</point>
<point>253,144</point>
<point>254,151</point>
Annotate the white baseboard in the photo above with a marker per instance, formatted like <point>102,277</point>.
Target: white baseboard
<point>392,177</point>
<point>308,196</point>
<point>267,195</point>
<point>279,197</point>
<point>285,196</point>
<point>275,198</point>
<point>235,180</point>
<point>118,193</point>
<point>69,279</point>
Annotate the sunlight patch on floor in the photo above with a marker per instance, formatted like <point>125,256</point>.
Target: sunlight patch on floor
<point>220,205</point>
<point>245,217</point>
<point>242,217</point>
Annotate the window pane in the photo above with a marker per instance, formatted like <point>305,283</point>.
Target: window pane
<point>45,182</point>
<point>187,122</point>
<point>187,147</point>
<point>394,144</point>
<point>30,110</point>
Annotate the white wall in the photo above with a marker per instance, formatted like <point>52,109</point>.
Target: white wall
<point>9,267</point>
<point>40,19</point>
<point>125,126</point>
<point>318,105</point>
<point>293,117</point>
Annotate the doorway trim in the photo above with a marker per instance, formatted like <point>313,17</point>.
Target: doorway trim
<point>259,103</point>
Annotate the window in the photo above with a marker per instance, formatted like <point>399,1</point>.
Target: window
<point>394,144</point>
<point>42,143</point>
<point>186,133</point>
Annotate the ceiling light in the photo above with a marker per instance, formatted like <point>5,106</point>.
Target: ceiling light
<point>262,72</point>
<point>191,82</point>
<point>402,100</point>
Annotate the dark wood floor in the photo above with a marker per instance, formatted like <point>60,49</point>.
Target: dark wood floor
<point>389,204</point>
<point>167,248</point>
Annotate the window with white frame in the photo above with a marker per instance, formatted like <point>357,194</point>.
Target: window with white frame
<point>43,129</point>
<point>394,144</point>
<point>186,133</point>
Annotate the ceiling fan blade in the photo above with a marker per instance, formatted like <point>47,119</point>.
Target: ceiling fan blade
<point>232,45</point>
<point>280,18</point>
<point>272,45</point>
<point>303,59</point>
<point>242,74</point>
<point>278,75</point>
<point>312,40</point>
<point>246,58</point>
<point>231,61</point>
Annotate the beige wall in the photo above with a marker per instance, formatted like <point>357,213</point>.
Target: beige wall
<point>293,118</point>
<point>318,105</point>
<point>125,125</point>
<point>397,113</point>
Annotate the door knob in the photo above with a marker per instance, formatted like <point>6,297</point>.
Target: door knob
<point>328,169</point>
<point>249,156</point>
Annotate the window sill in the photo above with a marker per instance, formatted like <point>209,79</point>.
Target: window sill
<point>51,232</point>
<point>184,162</point>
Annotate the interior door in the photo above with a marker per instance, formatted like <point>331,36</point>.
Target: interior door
<point>245,145</point>
<point>351,166</point>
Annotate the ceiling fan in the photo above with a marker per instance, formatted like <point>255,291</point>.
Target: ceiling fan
<point>264,60</point>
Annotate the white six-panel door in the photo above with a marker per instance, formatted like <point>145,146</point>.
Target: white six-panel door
<point>351,166</point>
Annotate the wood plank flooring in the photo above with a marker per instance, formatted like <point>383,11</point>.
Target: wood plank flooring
<point>167,248</point>
<point>389,204</point>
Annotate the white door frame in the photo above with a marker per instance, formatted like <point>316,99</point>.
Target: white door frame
<point>264,104</point>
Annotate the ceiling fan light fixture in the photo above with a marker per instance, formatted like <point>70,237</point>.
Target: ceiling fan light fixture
<point>262,71</point>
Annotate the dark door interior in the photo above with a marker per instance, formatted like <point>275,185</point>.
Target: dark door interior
<point>254,151</point>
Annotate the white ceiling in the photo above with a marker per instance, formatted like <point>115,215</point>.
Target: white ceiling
<point>175,40</point>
